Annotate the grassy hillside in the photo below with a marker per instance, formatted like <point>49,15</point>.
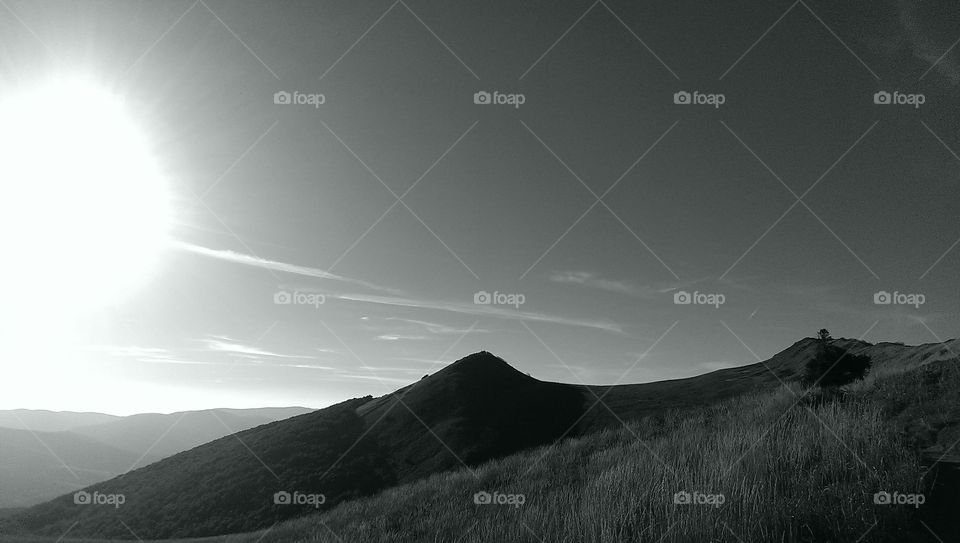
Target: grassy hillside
<point>789,471</point>
<point>795,475</point>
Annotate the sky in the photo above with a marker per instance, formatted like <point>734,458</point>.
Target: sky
<point>436,156</point>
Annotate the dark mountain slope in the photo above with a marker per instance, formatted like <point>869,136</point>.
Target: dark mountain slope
<point>473,410</point>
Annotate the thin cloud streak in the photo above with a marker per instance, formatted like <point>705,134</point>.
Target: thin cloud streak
<point>479,311</point>
<point>273,265</point>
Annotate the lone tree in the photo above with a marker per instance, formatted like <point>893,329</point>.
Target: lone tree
<point>833,366</point>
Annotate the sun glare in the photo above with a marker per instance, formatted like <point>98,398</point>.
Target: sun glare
<point>84,209</point>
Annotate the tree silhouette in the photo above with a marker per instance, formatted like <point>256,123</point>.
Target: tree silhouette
<point>833,366</point>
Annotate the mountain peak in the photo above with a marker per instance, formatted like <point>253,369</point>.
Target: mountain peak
<point>483,364</point>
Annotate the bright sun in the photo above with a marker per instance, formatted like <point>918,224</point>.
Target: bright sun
<point>84,209</point>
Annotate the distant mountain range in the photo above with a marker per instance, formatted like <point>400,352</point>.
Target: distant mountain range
<point>44,454</point>
<point>474,410</point>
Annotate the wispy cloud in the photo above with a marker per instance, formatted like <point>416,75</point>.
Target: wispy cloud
<point>436,328</point>
<point>592,280</point>
<point>480,311</point>
<point>256,262</point>
<point>931,37</point>
<point>216,345</point>
<point>396,337</point>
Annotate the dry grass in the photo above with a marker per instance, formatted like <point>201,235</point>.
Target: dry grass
<point>789,471</point>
